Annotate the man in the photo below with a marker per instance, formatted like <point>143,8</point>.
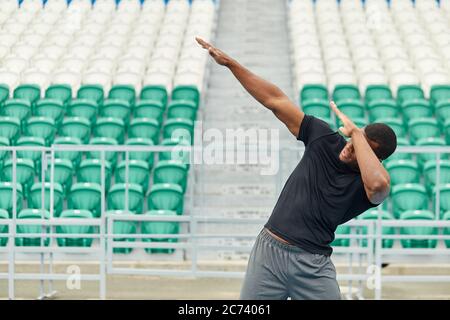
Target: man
<point>334,182</point>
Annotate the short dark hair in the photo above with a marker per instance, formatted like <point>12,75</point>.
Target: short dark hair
<point>384,136</point>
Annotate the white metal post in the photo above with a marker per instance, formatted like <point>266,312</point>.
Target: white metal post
<point>12,231</point>
<point>102,229</point>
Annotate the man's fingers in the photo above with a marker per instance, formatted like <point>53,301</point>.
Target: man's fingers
<point>203,43</point>
<point>335,109</point>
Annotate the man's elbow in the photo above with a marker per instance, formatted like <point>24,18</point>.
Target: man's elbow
<point>381,185</point>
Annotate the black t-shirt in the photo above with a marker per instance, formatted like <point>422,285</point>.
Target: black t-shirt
<point>320,194</point>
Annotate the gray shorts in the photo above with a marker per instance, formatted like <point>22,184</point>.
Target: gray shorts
<point>277,271</point>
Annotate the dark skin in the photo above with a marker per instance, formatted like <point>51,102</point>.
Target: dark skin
<point>358,152</point>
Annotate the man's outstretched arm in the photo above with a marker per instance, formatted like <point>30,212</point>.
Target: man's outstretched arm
<point>263,91</point>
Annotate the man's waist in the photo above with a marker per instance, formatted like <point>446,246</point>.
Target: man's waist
<point>278,237</point>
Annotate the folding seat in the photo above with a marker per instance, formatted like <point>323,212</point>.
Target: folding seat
<point>85,196</point>
<point>422,231</point>
<point>116,108</point>
<point>75,229</point>
<point>4,142</point>
<point>90,171</point>
<point>122,227</point>
<point>149,109</point>
<point>439,93</point>
<point>171,171</point>
<point>146,156</point>
<point>343,92</point>
<point>154,92</point>
<point>377,92</point>
<point>36,192</point>
<point>166,196</point>
<point>422,158</point>
<point>313,91</point>
<point>110,156</point>
<point>84,108</point>
<point>359,122</point>
<point>62,173</point>
<point>160,227</point>
<point>3,228</point>
<point>429,172</point>
<point>29,92</point>
<point>138,173</point>
<point>76,127</point>
<point>4,93</point>
<point>446,130</point>
<point>116,197</point>
<point>409,196</point>
<point>10,128</point>
<point>179,128</point>
<point>32,228</point>
<point>409,92</point>
<point>67,78</point>
<point>182,109</point>
<point>353,109</point>
<point>180,155</point>
<point>110,128</point>
<point>373,214</point>
<point>123,92</point>
<point>6,196</point>
<point>403,171</point>
<point>383,108</point>
<point>343,242</point>
<point>144,128</point>
<point>396,124</point>
<point>444,198</point>
<point>423,128</point>
<point>61,92</point>
<point>24,173</point>
<point>92,92</point>
<point>50,108</point>
<point>72,156</point>
<point>416,108</point>
<point>19,108</point>
<point>42,127</point>
<point>317,108</point>
<point>442,111</point>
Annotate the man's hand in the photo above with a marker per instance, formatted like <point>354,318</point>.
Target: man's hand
<point>218,55</point>
<point>348,127</point>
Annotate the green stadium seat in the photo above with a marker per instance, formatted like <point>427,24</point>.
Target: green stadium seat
<point>110,156</point>
<point>160,227</point>
<point>186,92</point>
<point>171,171</point>
<point>409,196</point>
<point>144,128</point>
<point>153,109</point>
<point>183,156</point>
<point>61,92</point>
<point>116,197</point>
<point>42,127</point>
<point>359,122</point>
<point>92,92</point>
<point>179,129</point>
<point>352,108</point>
<point>32,228</point>
<point>62,174</point>
<point>317,108</point>
<point>373,214</point>
<point>6,196</point>
<point>73,156</point>
<point>35,156</point>
<point>403,171</point>
<point>423,128</point>
<point>24,173</point>
<point>439,93</point>
<point>409,92</point>
<point>446,217</point>
<point>123,227</point>
<point>35,197</point>
<point>396,125</point>
<point>85,196</point>
<point>182,109</point>
<point>342,242</point>
<point>4,142</point>
<point>123,92</point>
<point>4,93</point>
<point>422,158</point>
<point>377,92</point>
<point>429,172</point>
<point>313,92</point>
<point>75,229</point>
<point>30,92</point>
<point>110,128</point>
<point>138,173</point>
<point>116,108</point>
<point>90,171</point>
<point>147,156</point>
<point>346,92</point>
<point>77,127</point>
<point>19,108</point>
<point>3,228</point>
<point>154,92</point>
<point>166,196</point>
<point>51,108</point>
<point>424,231</point>
<point>442,111</point>
<point>83,108</point>
<point>10,128</point>
<point>383,108</point>
<point>416,109</point>
<point>444,198</point>
<point>446,130</point>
